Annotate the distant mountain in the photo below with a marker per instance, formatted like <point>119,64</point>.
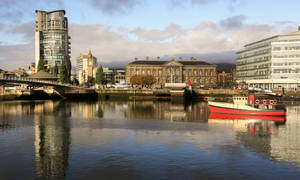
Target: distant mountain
<point>225,60</point>
<point>213,58</point>
<point>227,67</point>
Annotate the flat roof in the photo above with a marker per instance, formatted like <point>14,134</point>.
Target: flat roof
<point>262,40</point>
<point>48,12</point>
<point>291,34</point>
<point>156,62</point>
<point>279,81</point>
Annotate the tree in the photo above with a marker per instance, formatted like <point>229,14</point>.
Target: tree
<point>136,80</point>
<point>75,82</point>
<point>41,65</point>
<point>91,81</point>
<point>63,74</point>
<point>99,75</point>
<point>144,80</point>
<point>54,70</point>
<point>113,80</point>
<point>148,80</point>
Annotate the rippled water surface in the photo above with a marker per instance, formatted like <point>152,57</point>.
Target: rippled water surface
<point>142,140</point>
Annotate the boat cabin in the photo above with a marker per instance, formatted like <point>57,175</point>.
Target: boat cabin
<point>240,99</point>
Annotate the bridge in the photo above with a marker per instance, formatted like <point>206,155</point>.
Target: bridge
<point>61,88</point>
<point>35,82</point>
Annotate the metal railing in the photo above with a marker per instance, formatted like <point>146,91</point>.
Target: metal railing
<point>27,80</point>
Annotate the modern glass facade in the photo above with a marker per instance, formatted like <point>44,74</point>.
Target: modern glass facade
<point>254,61</point>
<point>277,57</point>
<point>52,40</point>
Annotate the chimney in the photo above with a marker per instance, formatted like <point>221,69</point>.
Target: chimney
<point>180,58</point>
<point>158,58</point>
<point>136,59</point>
<point>147,58</point>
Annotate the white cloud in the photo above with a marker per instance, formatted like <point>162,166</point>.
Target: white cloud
<point>115,6</point>
<point>170,32</point>
<point>120,44</point>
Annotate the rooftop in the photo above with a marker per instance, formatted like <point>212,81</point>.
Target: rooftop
<point>293,33</point>
<point>140,62</point>
<point>60,10</point>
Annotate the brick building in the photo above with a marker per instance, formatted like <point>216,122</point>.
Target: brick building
<point>225,77</point>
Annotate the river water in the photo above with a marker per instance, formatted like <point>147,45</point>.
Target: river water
<point>142,140</point>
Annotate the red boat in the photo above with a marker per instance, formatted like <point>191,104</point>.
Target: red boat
<point>246,108</point>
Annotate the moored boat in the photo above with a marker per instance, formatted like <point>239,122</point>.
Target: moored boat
<point>244,107</point>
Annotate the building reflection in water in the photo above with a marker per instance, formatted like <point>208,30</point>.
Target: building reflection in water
<point>52,128</point>
<point>13,114</point>
<point>168,111</point>
<point>52,142</point>
<point>285,145</point>
<point>274,141</point>
<point>52,132</point>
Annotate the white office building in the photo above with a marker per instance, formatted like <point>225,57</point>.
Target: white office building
<point>271,63</point>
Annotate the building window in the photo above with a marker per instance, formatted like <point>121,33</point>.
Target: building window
<point>148,72</point>
<point>154,72</point>
<point>205,72</point>
<point>137,72</point>
<point>195,72</point>
<point>168,72</point>
<point>189,72</point>
<point>143,71</point>
<point>159,72</point>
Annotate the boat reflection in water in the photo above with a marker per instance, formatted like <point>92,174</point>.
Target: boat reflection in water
<point>143,139</point>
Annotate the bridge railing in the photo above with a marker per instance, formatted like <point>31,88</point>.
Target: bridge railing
<point>22,79</point>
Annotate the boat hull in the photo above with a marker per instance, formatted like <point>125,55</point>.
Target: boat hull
<point>230,111</point>
<point>245,116</point>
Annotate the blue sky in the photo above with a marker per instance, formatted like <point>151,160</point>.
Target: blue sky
<point>118,30</point>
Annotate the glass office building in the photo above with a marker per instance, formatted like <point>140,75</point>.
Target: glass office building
<point>270,63</point>
<point>51,39</point>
